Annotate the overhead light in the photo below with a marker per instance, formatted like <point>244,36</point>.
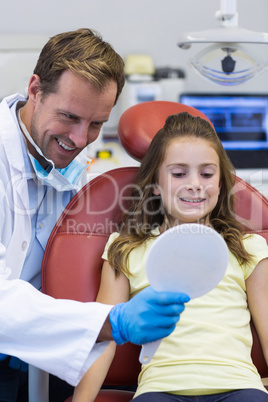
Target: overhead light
<point>225,61</point>
<point>227,64</point>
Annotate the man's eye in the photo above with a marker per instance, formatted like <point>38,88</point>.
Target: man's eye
<point>68,116</point>
<point>97,124</point>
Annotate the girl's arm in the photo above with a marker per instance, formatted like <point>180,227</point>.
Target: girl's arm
<point>257,291</point>
<point>113,290</point>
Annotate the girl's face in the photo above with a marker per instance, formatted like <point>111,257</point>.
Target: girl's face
<point>189,180</point>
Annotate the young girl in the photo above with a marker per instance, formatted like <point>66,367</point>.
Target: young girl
<point>186,177</point>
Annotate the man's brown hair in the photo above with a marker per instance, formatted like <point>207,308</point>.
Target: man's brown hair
<point>84,53</point>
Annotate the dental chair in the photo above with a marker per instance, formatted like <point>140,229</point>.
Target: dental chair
<point>72,261</point>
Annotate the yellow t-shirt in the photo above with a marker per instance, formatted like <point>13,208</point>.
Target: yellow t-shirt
<point>210,349</point>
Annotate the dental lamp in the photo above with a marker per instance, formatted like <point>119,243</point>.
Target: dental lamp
<point>225,61</point>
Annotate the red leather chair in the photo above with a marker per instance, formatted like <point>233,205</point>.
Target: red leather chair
<point>72,261</point>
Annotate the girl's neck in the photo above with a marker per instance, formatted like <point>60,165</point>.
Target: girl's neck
<point>169,222</point>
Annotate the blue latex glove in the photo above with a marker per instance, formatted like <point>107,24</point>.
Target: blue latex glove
<point>13,362</point>
<point>149,316</point>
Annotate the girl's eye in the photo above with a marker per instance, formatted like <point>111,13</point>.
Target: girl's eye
<point>207,175</point>
<point>178,174</point>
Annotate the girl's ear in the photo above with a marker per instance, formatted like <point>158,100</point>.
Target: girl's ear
<point>156,190</point>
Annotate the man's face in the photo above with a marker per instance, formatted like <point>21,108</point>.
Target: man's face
<point>65,122</point>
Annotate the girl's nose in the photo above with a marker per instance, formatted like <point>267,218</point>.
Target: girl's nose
<point>194,184</point>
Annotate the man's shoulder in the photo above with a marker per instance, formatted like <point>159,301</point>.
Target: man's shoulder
<point>10,144</point>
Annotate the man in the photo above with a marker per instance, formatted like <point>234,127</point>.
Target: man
<point>76,82</point>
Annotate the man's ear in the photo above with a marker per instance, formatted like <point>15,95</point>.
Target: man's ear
<point>156,190</point>
<point>34,87</point>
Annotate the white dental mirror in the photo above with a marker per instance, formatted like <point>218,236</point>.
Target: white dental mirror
<point>188,258</point>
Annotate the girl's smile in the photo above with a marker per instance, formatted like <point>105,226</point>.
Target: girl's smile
<point>193,200</point>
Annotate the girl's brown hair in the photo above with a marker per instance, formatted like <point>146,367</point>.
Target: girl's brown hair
<point>146,211</point>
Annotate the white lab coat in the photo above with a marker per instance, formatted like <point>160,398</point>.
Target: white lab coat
<point>57,336</point>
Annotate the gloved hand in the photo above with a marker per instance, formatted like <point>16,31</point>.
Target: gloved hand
<point>12,362</point>
<point>149,316</point>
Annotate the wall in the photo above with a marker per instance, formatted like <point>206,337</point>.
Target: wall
<point>140,26</point>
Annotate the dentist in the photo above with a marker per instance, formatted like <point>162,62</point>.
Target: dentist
<point>75,84</point>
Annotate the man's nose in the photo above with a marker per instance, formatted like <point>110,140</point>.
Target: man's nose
<point>79,136</point>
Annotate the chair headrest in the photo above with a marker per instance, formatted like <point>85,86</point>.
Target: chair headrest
<point>140,123</point>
